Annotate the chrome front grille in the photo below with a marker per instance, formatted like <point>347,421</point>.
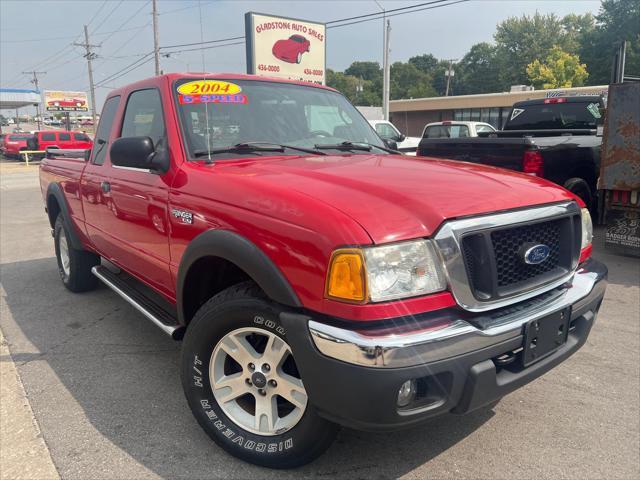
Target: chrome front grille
<point>507,244</point>
<point>484,261</point>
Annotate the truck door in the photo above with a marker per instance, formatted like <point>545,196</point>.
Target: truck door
<point>96,202</point>
<point>138,218</point>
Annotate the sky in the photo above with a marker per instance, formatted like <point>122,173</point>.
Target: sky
<point>40,34</point>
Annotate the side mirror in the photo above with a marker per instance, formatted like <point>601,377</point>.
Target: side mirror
<point>137,152</point>
<point>400,138</point>
<point>390,144</point>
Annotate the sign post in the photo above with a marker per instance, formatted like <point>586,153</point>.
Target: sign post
<point>285,47</point>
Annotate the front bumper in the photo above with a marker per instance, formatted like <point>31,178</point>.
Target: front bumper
<point>353,375</point>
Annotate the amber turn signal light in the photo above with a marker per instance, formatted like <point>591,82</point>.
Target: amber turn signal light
<point>346,278</point>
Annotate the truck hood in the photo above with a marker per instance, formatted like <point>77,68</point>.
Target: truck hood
<point>397,197</point>
<point>410,142</point>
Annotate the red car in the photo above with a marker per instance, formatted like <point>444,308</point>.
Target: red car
<point>291,49</point>
<point>75,102</point>
<point>59,139</point>
<point>14,143</point>
<point>316,277</point>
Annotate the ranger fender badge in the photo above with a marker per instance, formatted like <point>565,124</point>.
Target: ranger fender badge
<point>183,215</point>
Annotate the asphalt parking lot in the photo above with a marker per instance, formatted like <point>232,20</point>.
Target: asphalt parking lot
<point>103,385</point>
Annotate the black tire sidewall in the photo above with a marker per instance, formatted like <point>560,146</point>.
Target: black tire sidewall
<point>578,186</point>
<point>59,227</point>
<point>297,446</point>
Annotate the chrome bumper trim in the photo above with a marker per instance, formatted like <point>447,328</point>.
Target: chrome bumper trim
<point>459,337</point>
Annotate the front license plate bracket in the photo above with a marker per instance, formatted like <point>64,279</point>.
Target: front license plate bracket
<point>545,335</point>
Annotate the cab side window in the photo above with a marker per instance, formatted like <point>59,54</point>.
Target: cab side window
<point>143,116</point>
<point>104,129</point>
<point>64,137</point>
<point>385,131</point>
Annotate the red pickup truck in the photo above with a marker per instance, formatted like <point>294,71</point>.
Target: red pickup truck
<point>316,277</point>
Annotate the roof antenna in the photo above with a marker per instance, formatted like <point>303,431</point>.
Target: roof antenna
<point>206,105</point>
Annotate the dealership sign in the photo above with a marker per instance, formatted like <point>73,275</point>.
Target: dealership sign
<point>285,47</point>
<point>57,101</point>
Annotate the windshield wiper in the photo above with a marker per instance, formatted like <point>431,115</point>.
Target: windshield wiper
<point>347,145</point>
<point>248,147</point>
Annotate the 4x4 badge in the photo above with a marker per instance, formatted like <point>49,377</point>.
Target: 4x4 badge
<point>183,215</point>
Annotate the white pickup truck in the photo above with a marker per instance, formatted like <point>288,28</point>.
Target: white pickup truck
<point>388,131</point>
<point>456,129</point>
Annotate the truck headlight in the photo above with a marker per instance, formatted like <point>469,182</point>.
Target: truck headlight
<point>587,228</point>
<point>387,272</point>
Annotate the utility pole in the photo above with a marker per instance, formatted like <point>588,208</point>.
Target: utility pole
<point>156,41</point>
<point>35,82</point>
<point>90,56</point>
<point>449,73</point>
<point>386,71</point>
<point>386,29</point>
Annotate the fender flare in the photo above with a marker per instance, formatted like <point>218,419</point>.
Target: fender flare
<point>54,190</point>
<point>242,253</point>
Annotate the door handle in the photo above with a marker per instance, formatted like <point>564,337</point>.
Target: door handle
<point>106,187</point>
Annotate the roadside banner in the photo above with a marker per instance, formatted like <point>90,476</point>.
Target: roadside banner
<point>285,47</point>
<point>59,101</point>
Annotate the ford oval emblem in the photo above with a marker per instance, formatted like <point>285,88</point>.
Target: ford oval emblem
<point>536,254</point>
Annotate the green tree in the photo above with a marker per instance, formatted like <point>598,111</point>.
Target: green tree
<point>479,71</point>
<point>426,63</point>
<point>616,21</point>
<point>522,40</point>
<point>357,90</point>
<point>409,82</point>
<point>371,73</point>
<point>575,27</point>
<point>365,70</point>
<point>559,70</point>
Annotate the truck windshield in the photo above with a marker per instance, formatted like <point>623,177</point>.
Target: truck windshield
<point>217,114</point>
<point>554,116</point>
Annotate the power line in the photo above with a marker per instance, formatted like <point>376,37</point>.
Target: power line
<point>183,8</point>
<point>116,74</point>
<point>30,40</point>
<point>222,42</point>
<point>369,17</point>
<point>97,12</point>
<point>204,48</point>
<point>380,14</point>
<point>120,29</point>
<point>126,42</point>
<point>204,43</point>
<point>108,15</point>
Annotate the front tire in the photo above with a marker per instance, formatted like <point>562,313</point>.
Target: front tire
<point>74,265</point>
<point>243,386</point>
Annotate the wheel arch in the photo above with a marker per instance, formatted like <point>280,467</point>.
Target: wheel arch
<point>57,205</point>
<point>217,259</point>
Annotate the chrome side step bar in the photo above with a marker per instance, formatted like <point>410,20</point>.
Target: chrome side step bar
<point>160,317</point>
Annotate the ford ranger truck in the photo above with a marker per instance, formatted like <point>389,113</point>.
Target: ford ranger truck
<point>315,277</point>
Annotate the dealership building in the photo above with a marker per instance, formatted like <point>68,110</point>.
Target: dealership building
<point>411,115</point>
